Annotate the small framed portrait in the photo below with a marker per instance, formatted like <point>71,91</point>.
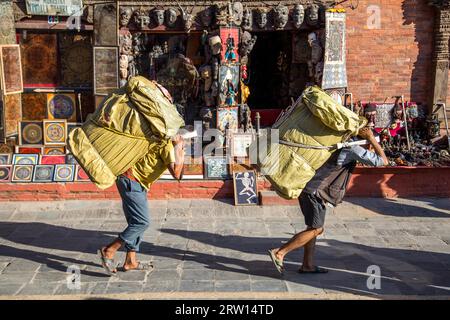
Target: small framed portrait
<point>64,173</point>
<point>245,188</point>
<point>216,167</point>
<point>53,159</point>
<point>11,66</point>
<point>25,159</point>
<point>5,173</point>
<point>61,106</point>
<point>54,151</point>
<point>230,44</point>
<point>227,118</point>
<point>43,173</point>
<point>5,158</point>
<point>55,132</point>
<point>30,132</point>
<point>22,173</point>
<point>239,144</point>
<point>228,85</point>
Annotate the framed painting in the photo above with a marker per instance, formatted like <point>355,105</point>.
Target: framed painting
<point>81,175</point>
<point>230,44</point>
<point>5,173</point>
<point>29,149</point>
<point>228,84</point>
<point>22,173</point>
<point>55,132</point>
<point>75,51</point>
<point>43,173</point>
<point>7,29</point>
<point>239,144</point>
<point>34,106</point>
<point>227,118</point>
<point>30,132</point>
<point>245,188</point>
<point>11,69</point>
<point>384,115</point>
<point>61,106</point>
<point>25,159</point>
<point>64,173</point>
<point>5,158</point>
<point>106,70</point>
<point>106,25</point>
<point>53,159</point>
<point>216,167</point>
<point>2,123</point>
<point>55,151</point>
<point>70,159</point>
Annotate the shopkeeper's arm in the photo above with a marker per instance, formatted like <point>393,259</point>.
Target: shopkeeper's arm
<point>176,168</point>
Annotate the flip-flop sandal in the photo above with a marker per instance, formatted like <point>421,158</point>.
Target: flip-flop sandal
<point>278,264</point>
<point>316,270</point>
<point>141,267</point>
<point>107,264</point>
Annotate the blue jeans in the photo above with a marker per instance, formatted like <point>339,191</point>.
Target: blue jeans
<point>135,207</point>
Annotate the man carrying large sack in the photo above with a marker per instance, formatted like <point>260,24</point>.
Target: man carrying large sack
<point>130,140</point>
<point>328,186</point>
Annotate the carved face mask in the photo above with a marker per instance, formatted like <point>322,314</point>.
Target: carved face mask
<point>312,15</point>
<point>298,15</point>
<point>125,16</point>
<point>171,17</point>
<point>261,18</point>
<point>238,10</point>
<point>142,19</point>
<point>206,17</point>
<point>247,19</point>
<point>158,17</point>
<point>281,16</point>
<point>187,19</point>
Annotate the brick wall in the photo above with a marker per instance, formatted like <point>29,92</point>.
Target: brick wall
<point>395,58</point>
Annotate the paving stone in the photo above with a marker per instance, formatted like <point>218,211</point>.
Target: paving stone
<point>39,289</point>
<point>161,286</point>
<point>124,287</point>
<point>10,288</point>
<point>195,274</point>
<point>22,265</point>
<point>304,288</point>
<point>196,286</point>
<point>230,275</point>
<point>232,286</point>
<point>164,275</point>
<point>269,286</point>
<point>53,276</point>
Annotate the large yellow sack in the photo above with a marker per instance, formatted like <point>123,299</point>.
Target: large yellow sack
<point>315,120</point>
<point>123,129</point>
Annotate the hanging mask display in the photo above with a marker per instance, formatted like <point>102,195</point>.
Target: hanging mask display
<point>247,19</point>
<point>125,16</point>
<point>261,18</point>
<point>158,17</point>
<point>298,15</point>
<point>171,16</point>
<point>281,16</point>
<point>187,18</point>
<point>237,13</point>
<point>312,15</point>
<point>141,18</point>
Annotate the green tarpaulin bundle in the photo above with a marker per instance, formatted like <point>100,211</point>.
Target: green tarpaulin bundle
<point>122,129</point>
<point>315,122</point>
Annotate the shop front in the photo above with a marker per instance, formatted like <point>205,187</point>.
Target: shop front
<point>230,67</point>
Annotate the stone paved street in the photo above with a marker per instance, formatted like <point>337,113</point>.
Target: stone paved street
<point>217,249</point>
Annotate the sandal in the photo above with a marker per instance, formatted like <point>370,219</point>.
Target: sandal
<point>277,262</point>
<point>107,264</point>
<point>141,267</point>
<point>315,270</point>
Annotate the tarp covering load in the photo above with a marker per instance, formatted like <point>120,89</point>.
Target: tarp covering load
<point>308,133</point>
<point>127,124</point>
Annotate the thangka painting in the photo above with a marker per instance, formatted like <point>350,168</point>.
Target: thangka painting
<point>29,149</point>
<point>55,132</point>
<point>216,167</point>
<point>54,151</point>
<point>22,173</point>
<point>245,188</point>
<point>5,158</point>
<point>30,132</point>
<point>81,175</point>
<point>106,70</point>
<point>64,173</point>
<point>227,118</point>
<point>230,44</point>
<point>11,69</point>
<point>5,173</point>
<point>105,25</point>
<point>7,30</point>
<point>334,70</point>
<point>34,106</point>
<point>43,173</point>
<point>228,85</point>
<point>61,106</point>
<point>25,159</point>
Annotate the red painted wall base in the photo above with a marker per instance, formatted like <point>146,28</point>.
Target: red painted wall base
<point>366,182</point>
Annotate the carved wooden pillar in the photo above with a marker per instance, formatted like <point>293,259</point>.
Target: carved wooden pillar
<point>441,55</point>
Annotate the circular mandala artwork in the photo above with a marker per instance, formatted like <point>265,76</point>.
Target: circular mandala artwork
<point>55,133</point>
<point>32,133</point>
<point>23,173</point>
<point>3,173</point>
<point>55,152</point>
<point>44,173</point>
<point>25,161</point>
<point>61,107</point>
<point>64,173</point>
<point>82,174</point>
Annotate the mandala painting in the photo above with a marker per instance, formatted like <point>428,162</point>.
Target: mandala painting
<point>22,173</point>
<point>61,106</point>
<point>64,173</point>
<point>5,173</point>
<point>30,132</point>
<point>55,132</point>
<point>43,173</point>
